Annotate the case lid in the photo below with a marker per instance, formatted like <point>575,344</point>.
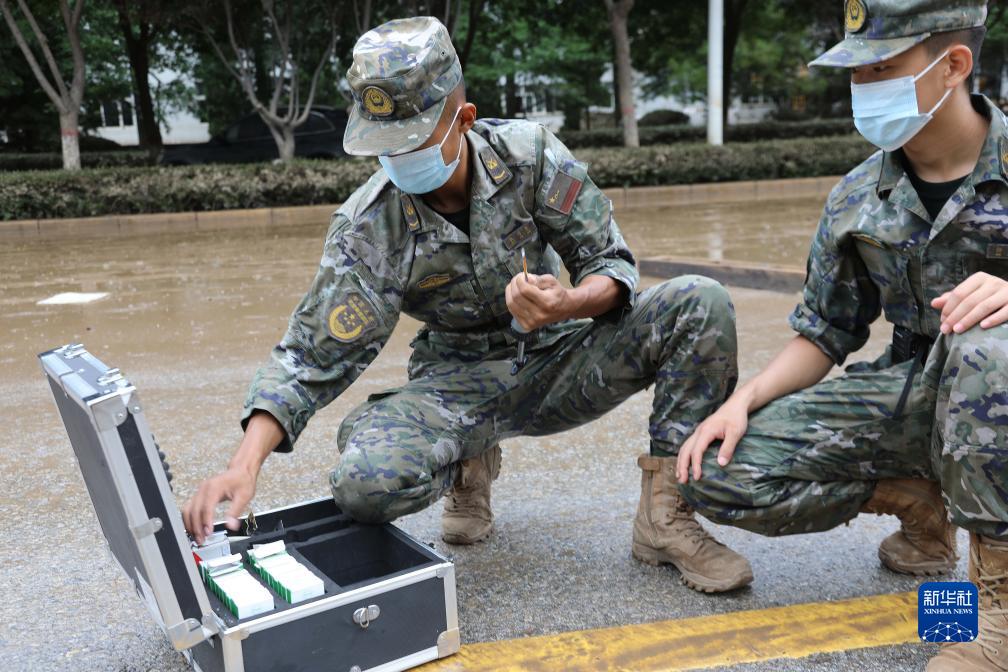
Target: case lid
<point>129,489</point>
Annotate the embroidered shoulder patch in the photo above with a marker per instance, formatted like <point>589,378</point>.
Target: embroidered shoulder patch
<point>410,213</point>
<point>562,192</point>
<point>495,168</point>
<point>351,317</point>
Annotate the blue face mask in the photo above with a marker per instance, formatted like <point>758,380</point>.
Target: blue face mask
<point>886,113</point>
<point>424,170</point>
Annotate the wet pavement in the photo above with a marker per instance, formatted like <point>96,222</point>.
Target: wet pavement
<point>189,317</point>
<point>776,232</point>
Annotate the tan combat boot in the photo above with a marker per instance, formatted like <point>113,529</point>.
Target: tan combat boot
<point>988,569</point>
<point>467,517</point>
<point>925,543</point>
<point>666,531</point>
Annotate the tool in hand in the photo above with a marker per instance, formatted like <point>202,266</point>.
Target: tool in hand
<point>520,333</point>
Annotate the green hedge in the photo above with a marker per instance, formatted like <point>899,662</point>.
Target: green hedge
<point>693,163</point>
<point>90,192</point>
<point>101,191</point>
<point>661,135</point>
<point>10,161</point>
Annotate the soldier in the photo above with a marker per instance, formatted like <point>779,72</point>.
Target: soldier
<point>918,232</point>
<point>442,233</point>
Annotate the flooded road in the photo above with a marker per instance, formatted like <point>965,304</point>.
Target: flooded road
<point>768,232</point>
<point>188,318</point>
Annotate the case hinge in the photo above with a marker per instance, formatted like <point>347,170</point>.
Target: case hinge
<point>187,634</point>
<point>109,415</point>
<point>146,529</point>
<point>71,350</point>
<point>109,377</point>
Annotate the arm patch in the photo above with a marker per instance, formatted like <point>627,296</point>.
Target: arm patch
<point>562,192</point>
<point>351,318</point>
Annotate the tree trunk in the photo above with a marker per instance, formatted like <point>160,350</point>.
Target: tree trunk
<point>618,12</point>
<point>617,114</point>
<point>69,138</point>
<point>67,100</point>
<point>287,146</point>
<point>510,97</point>
<point>733,25</point>
<point>285,77</point>
<point>148,132</point>
<point>138,46</point>
<point>475,11</point>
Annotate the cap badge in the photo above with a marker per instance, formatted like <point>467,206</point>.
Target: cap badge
<point>855,15</point>
<point>377,102</point>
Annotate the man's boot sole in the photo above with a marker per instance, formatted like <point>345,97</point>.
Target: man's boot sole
<point>932,568</point>
<point>463,539</point>
<point>697,582</point>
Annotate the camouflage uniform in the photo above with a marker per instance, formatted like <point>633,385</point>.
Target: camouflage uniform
<point>388,253</point>
<point>810,460</point>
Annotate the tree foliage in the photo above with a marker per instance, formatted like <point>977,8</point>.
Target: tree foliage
<point>519,56</point>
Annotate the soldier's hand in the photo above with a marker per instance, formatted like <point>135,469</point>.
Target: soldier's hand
<point>235,485</point>
<point>728,424</point>
<point>980,299</point>
<point>539,301</point>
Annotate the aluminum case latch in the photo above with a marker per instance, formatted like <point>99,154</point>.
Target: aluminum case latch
<point>365,615</point>
<point>147,528</point>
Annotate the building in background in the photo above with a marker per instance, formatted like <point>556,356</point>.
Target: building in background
<point>536,102</point>
<point>741,111</point>
<point>177,125</point>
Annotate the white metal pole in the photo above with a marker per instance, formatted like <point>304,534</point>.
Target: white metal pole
<point>715,72</point>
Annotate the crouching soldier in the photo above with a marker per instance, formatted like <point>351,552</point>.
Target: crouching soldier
<point>442,233</point>
<point>918,233</point>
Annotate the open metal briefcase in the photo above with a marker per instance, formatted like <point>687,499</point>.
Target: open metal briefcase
<point>389,601</point>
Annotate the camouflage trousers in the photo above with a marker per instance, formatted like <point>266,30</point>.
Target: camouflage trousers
<point>809,460</point>
<point>400,450</point>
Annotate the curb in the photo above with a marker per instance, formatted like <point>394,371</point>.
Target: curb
<point>722,192</point>
<point>752,276</point>
<point>623,199</point>
<point>170,222</point>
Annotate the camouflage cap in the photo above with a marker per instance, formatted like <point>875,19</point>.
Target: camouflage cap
<point>401,73</point>
<point>879,29</point>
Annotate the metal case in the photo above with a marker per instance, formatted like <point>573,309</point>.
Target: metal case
<point>390,601</point>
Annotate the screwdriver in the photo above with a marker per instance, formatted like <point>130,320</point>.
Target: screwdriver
<point>520,331</point>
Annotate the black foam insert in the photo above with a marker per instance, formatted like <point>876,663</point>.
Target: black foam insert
<point>341,552</point>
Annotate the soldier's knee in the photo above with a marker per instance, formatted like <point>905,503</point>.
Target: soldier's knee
<point>696,292</point>
<point>359,489</point>
<point>978,347</point>
<point>698,286</point>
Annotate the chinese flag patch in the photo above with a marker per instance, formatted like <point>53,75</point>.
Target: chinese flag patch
<point>562,193</point>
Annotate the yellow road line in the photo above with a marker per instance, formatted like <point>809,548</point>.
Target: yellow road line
<point>708,641</point>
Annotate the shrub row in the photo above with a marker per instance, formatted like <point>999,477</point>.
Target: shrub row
<point>602,137</point>
<point>693,163</point>
<point>101,191</point>
<point>661,135</point>
<point>10,161</point>
<point>90,192</point>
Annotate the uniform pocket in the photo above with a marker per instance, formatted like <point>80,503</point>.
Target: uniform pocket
<point>888,268</point>
<point>986,261</point>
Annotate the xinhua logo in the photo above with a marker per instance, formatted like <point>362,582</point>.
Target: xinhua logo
<point>947,612</point>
